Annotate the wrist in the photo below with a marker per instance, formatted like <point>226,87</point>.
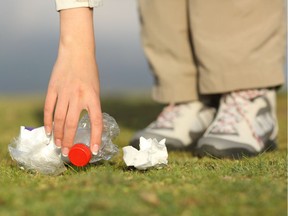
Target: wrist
<point>77,40</point>
<point>76,44</point>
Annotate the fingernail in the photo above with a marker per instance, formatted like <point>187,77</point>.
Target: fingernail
<point>58,143</point>
<point>47,131</point>
<point>95,149</point>
<point>65,151</point>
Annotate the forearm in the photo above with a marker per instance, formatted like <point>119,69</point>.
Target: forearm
<point>76,31</point>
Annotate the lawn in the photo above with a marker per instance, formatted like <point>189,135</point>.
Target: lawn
<point>187,186</point>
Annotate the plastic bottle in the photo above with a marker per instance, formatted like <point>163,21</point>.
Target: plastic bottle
<point>80,153</point>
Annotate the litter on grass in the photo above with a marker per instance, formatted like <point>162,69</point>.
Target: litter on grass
<point>151,154</point>
<point>36,152</point>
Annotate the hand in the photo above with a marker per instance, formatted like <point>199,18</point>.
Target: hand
<point>74,83</point>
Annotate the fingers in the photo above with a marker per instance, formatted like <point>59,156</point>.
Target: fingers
<point>48,110</point>
<point>65,125</point>
<point>70,127</point>
<point>66,117</point>
<point>95,116</point>
<point>59,121</point>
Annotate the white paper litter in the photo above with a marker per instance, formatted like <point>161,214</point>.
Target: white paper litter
<point>151,154</point>
<point>34,151</point>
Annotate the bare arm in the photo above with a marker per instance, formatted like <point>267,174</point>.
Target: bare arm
<point>74,82</point>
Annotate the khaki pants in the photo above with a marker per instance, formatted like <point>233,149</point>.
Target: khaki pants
<point>210,47</point>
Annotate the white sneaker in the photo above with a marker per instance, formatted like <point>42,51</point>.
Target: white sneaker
<point>181,125</point>
<point>245,125</point>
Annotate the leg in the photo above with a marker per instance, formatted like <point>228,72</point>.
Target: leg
<point>166,41</point>
<point>165,35</point>
<point>240,46</point>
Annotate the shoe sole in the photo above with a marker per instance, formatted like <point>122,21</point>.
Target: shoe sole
<point>233,153</point>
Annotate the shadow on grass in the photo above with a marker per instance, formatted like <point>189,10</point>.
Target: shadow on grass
<point>133,114</point>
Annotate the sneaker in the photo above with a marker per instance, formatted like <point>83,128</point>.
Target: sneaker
<point>245,125</point>
<point>181,125</point>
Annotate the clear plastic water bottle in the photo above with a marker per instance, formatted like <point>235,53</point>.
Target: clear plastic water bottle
<point>80,153</point>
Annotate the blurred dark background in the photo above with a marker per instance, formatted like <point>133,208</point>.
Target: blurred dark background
<point>29,32</point>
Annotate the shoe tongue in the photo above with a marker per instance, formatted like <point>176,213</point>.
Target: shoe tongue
<point>250,94</point>
<point>240,97</point>
<point>233,99</point>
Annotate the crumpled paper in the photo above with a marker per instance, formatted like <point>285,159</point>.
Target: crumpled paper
<point>34,151</point>
<point>151,154</point>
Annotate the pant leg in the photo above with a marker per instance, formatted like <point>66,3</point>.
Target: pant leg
<point>166,42</point>
<point>239,44</point>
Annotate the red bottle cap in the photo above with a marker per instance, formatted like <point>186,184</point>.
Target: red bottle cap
<point>80,155</point>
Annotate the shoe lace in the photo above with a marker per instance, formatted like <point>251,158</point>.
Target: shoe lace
<point>167,116</point>
<point>233,109</point>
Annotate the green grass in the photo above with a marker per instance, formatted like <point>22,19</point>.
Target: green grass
<point>187,186</point>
